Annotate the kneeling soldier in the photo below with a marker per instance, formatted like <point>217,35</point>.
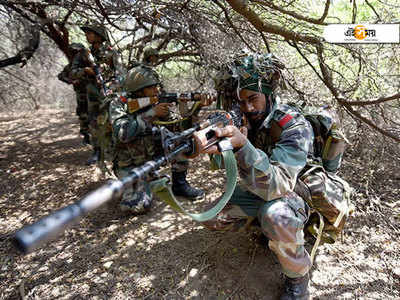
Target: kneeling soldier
<point>133,139</point>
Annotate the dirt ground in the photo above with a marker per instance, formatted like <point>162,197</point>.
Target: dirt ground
<point>164,255</point>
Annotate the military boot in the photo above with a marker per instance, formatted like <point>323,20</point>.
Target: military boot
<point>180,187</point>
<point>94,158</point>
<point>296,288</point>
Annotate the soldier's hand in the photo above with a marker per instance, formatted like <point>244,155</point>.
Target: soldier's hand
<point>237,137</point>
<point>89,71</point>
<point>162,109</point>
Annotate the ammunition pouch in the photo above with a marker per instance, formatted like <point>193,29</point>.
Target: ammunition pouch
<point>328,195</point>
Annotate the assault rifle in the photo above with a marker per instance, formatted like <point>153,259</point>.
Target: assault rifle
<point>136,104</point>
<point>174,97</point>
<point>33,236</point>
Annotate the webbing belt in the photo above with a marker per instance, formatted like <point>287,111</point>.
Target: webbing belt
<point>160,188</point>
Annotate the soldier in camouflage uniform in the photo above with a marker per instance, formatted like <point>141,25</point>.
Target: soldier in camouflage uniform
<point>112,70</point>
<point>134,142</point>
<point>270,151</point>
<point>80,91</point>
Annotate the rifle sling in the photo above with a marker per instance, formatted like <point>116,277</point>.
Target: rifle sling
<point>163,191</point>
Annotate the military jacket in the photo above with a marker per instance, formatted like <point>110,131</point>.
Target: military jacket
<point>78,65</point>
<point>131,133</point>
<point>66,76</point>
<point>276,153</point>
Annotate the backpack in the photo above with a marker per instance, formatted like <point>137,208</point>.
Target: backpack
<point>327,194</point>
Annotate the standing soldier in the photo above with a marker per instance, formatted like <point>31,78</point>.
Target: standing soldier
<point>80,91</point>
<point>108,65</point>
<point>134,142</point>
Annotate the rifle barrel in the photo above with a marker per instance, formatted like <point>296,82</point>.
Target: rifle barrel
<point>31,237</point>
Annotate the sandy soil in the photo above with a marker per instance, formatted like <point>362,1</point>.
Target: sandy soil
<point>164,255</point>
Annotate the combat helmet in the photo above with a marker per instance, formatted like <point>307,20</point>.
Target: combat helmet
<point>96,28</point>
<point>149,51</point>
<point>140,77</point>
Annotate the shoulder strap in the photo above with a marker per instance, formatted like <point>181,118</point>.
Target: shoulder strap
<point>163,191</point>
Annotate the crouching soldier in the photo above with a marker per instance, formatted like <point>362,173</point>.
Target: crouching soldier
<point>133,140</point>
<point>271,151</point>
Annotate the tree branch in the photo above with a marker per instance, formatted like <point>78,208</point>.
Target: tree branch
<point>376,101</point>
<point>319,21</point>
<point>243,9</point>
<point>373,9</point>
<point>233,26</point>
<point>345,103</point>
<point>25,54</point>
<point>326,10</point>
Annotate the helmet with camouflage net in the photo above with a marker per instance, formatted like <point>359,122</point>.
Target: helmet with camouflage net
<point>149,51</point>
<point>140,77</point>
<point>258,72</point>
<point>96,28</point>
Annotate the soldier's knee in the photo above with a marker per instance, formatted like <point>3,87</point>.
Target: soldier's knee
<point>275,213</point>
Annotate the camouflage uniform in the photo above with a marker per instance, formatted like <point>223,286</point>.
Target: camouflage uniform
<point>268,168</point>
<point>68,77</point>
<point>134,145</point>
<point>112,70</point>
<point>287,167</point>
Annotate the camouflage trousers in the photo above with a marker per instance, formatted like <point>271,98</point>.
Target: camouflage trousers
<point>140,193</point>
<point>180,165</point>
<point>282,221</point>
<point>93,103</point>
<point>82,112</point>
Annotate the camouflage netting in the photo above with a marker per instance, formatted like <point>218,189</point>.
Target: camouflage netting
<point>258,72</point>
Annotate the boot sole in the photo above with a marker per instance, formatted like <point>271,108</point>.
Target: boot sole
<point>190,198</point>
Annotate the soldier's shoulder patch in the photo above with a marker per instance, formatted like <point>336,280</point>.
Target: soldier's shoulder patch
<point>123,99</point>
<point>284,116</point>
<point>285,120</point>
